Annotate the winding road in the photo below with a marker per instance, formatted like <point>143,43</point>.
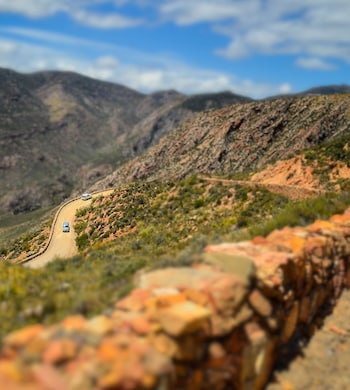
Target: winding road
<point>62,244</point>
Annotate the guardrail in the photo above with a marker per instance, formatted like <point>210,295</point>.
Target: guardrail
<point>42,250</point>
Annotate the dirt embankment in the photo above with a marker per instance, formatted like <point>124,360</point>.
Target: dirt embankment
<point>300,174</point>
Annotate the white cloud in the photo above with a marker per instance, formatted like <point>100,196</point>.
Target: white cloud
<point>7,48</point>
<point>314,63</point>
<point>107,62</point>
<point>104,21</point>
<point>305,28</point>
<point>50,37</point>
<point>76,9</point>
<point>184,12</point>
<point>34,9</point>
<point>315,28</point>
<point>285,88</point>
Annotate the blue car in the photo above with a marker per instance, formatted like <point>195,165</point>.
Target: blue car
<point>66,227</point>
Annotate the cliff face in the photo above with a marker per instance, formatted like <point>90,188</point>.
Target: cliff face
<point>239,138</point>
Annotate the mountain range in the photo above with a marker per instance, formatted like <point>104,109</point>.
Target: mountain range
<point>62,133</point>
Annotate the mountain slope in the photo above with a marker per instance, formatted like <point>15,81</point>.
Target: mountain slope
<point>239,138</point>
<point>60,132</point>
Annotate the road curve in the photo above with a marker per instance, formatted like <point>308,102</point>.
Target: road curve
<point>62,244</point>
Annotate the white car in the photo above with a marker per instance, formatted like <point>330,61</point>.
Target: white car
<point>66,227</point>
<point>86,196</point>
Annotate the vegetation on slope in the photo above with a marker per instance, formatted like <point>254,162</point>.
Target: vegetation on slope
<point>145,225</point>
<point>154,224</point>
<point>21,237</point>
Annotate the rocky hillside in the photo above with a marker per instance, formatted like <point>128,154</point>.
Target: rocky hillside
<point>240,138</point>
<point>61,131</point>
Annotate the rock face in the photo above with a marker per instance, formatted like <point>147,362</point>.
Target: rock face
<point>239,138</point>
<point>216,325</point>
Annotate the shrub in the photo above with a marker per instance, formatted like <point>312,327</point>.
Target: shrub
<point>82,241</point>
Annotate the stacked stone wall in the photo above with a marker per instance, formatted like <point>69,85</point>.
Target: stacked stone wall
<point>221,324</point>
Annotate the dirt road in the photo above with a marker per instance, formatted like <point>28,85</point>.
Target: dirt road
<point>292,192</point>
<point>62,244</point>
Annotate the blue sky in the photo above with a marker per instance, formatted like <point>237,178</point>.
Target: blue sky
<point>255,48</point>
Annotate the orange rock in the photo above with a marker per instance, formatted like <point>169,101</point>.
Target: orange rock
<point>84,359</point>
<point>259,240</point>
<point>100,325</point>
<point>169,300</point>
<point>125,373</point>
<point>297,245</point>
<point>8,384</point>
<point>260,304</point>
<point>21,337</point>
<point>164,344</point>
<point>162,291</point>
<point>320,225</point>
<point>111,380</point>
<point>182,318</point>
<point>180,278</point>
<point>107,351</point>
<point>341,219</point>
<point>316,245</point>
<point>148,381</point>
<point>60,350</point>
<point>140,325</point>
<point>34,349</point>
<point>135,301</point>
<point>196,296</point>
<point>75,322</point>
<point>10,370</point>
<point>49,378</point>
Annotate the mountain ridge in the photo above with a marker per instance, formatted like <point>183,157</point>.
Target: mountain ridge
<point>239,137</point>
<point>60,131</point>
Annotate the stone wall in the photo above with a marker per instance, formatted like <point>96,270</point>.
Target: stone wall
<point>221,324</point>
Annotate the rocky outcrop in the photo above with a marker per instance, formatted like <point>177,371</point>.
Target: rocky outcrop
<point>216,325</point>
<point>239,138</point>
